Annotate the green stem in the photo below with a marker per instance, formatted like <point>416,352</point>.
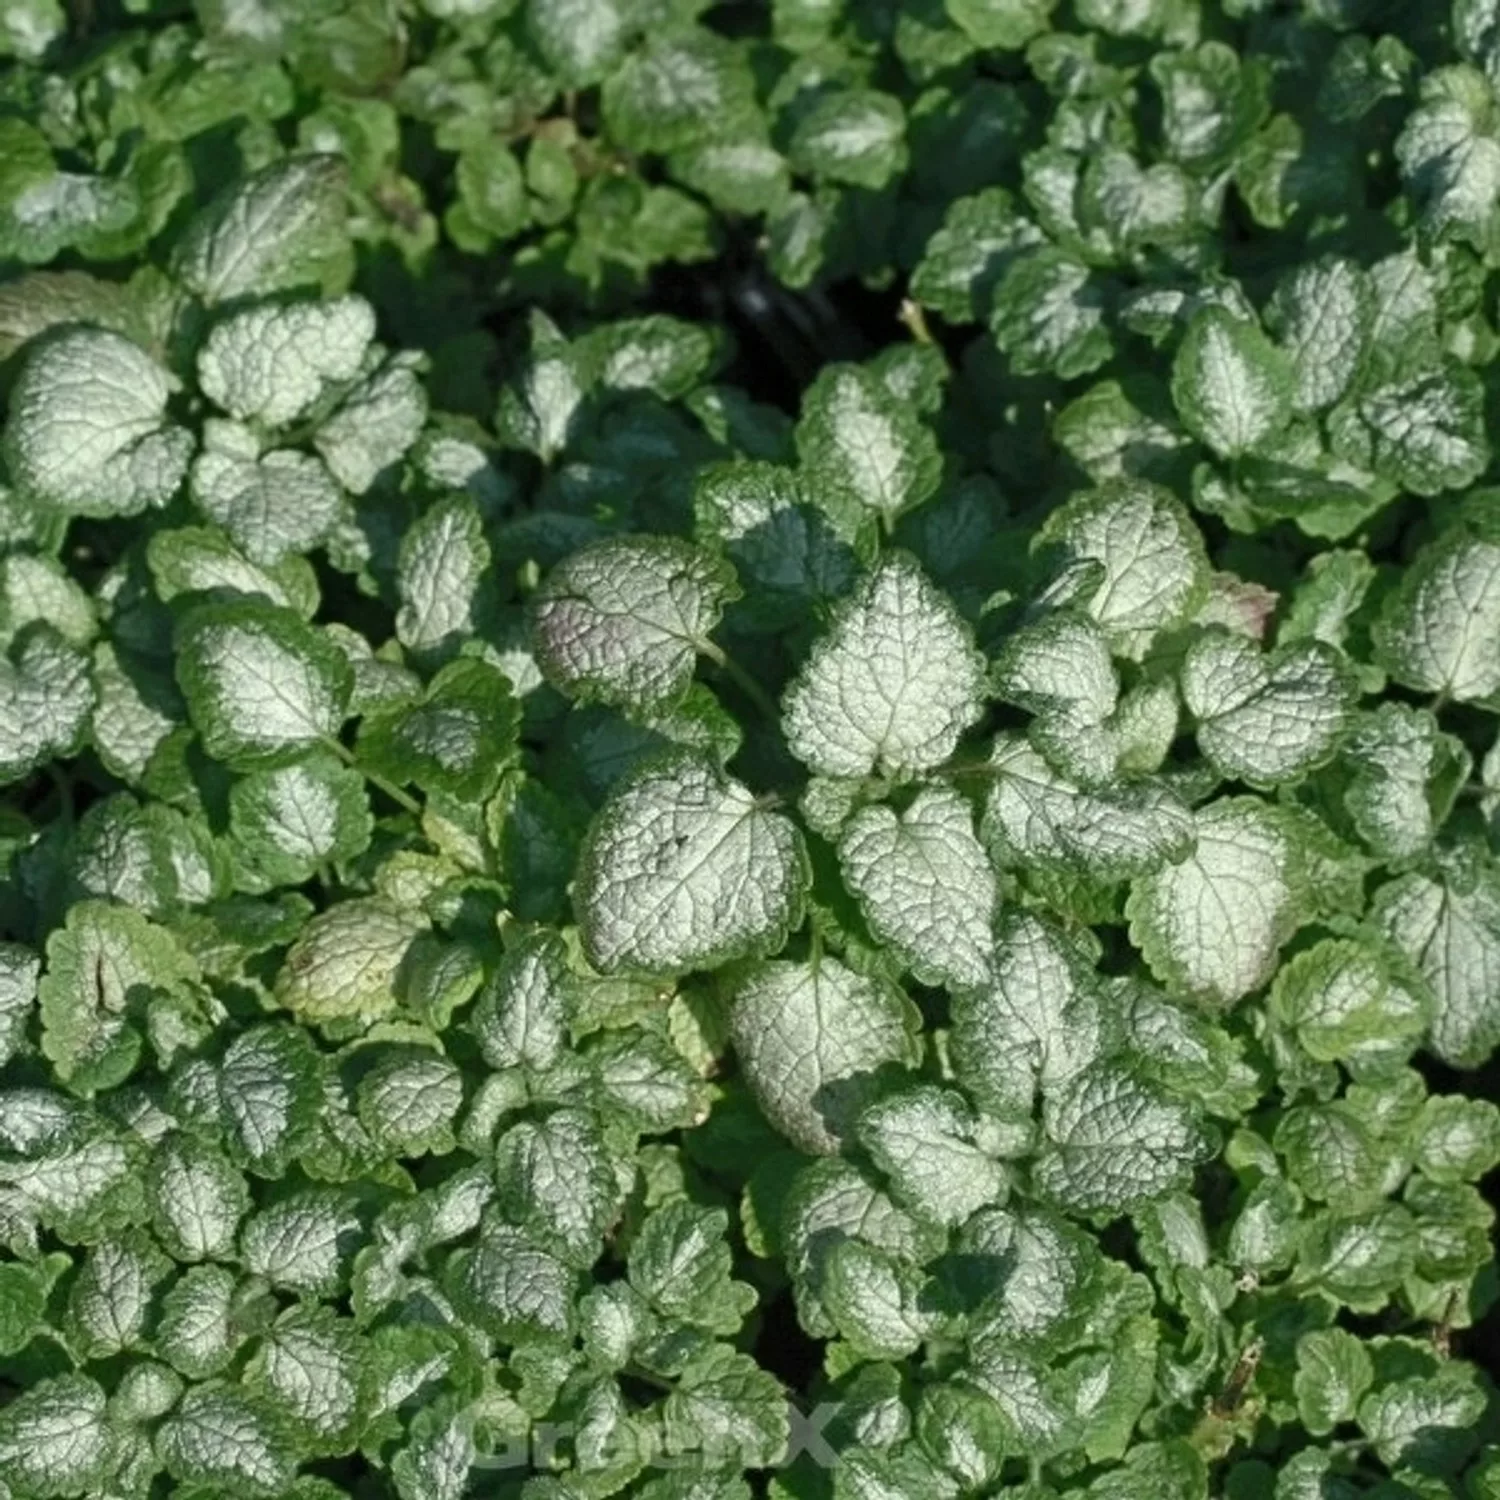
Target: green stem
<point>741,679</point>
<point>963,768</point>
<point>395,793</point>
<point>64,789</point>
<point>646,1377</point>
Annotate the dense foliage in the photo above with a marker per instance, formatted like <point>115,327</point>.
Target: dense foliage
<point>748,748</point>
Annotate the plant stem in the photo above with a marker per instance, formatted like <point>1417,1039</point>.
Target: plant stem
<point>963,768</point>
<point>914,320</point>
<point>741,679</point>
<point>646,1377</point>
<point>395,793</point>
<point>64,790</point>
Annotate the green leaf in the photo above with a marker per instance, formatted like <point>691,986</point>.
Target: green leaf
<point>812,1040</point>
<point>555,1177</point>
<point>517,1289</point>
<point>290,822</point>
<point>1059,667</point>
<point>1340,998</point>
<point>830,1200</point>
<point>1458,1139</point>
<point>877,1474</point>
<point>280,229</point>
<point>854,136</point>
<point>1439,631</point>
<point>1117,430</point>
<point>1211,99</point>
<point>1403,774</point>
<point>682,869</point>
<point>271,504</point>
<point>20,970</point>
<point>104,968</point>
<point>682,84</point>
<point>23,1305</point>
<point>625,620</point>
<point>520,1019</point>
<point>864,452</point>
<point>1232,388</point>
<point>1006,24</point>
<point>741,174</point>
<point>1161,1470</point>
<point>198,1331</point>
<point>375,426</point>
<point>111,1298</point>
<point>439,1456</point>
<point>964,1431</point>
<point>1155,572</point>
<point>270,1091</point>
<point>307,1368</point>
<point>1449,153</point>
<point>1425,433</point>
<point>344,964</point>
<point>408,1102</point>
<point>55,1437</point>
<point>726,1407</point>
<point>1047,1266</point>
<point>1330,1154</point>
<point>1265,719</point>
<point>203,561</point>
<point>1135,206</point>
<point>925,884</point>
<point>1034,1025</point>
<point>1448,925</point>
<point>456,741</point>
<point>444,557</point>
<point>31,28</point>
<point>967,257</point>
<point>1212,924</point>
<point>32,304</point>
<point>218,1436</point>
<point>46,209</point>
<point>88,432</point>
<point>37,589</point>
<point>925,1140</point>
<point>1333,1372</point>
<point>579,40</point>
<point>1050,315</point>
<point>786,551</point>
<point>1426,1423</point>
<point>302,1242</point>
<point>680,1262</point>
<point>1359,1259</point>
<point>273,363</point>
<point>892,684</point>
<point>491,202</point>
<point>875,1302</point>
<point>83,1183</point>
<point>648,1081</point>
<point>198,1198</point>
<point>261,684</point>
<point>45,701</point>
<point>1112,1140</point>
<point>1035,817</point>
<point>656,353</point>
<point>1323,312</point>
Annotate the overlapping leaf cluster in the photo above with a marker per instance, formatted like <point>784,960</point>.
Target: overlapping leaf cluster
<point>572,932</point>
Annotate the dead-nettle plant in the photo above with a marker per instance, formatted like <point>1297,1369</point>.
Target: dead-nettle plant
<point>571,932</point>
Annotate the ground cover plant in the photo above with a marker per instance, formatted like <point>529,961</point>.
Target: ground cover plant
<point>749,749</point>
